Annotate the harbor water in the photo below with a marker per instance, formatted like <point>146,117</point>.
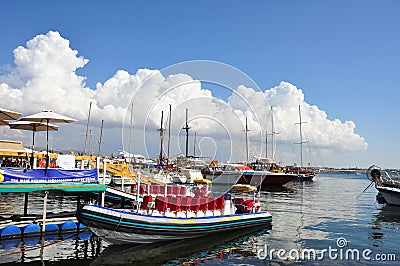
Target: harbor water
<point>327,221</point>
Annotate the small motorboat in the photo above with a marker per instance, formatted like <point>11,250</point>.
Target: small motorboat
<point>165,218</point>
<point>178,178</point>
<point>388,187</point>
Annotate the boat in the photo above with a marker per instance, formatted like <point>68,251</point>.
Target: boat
<point>228,178</point>
<point>256,173</point>
<point>163,176</point>
<point>265,172</point>
<point>222,174</point>
<point>387,186</point>
<point>169,218</point>
<point>303,173</point>
<point>178,178</point>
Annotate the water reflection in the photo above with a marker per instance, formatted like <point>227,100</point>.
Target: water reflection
<point>217,247</point>
<point>386,219</point>
<point>388,214</point>
<point>67,250</point>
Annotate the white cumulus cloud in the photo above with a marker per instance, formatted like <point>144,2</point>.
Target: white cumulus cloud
<point>44,77</point>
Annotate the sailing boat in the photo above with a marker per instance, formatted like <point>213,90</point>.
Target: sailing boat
<point>304,174</point>
<point>263,171</point>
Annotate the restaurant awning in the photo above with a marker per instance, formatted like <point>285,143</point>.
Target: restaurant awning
<point>11,148</point>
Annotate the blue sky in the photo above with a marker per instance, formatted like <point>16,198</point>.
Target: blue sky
<point>343,55</point>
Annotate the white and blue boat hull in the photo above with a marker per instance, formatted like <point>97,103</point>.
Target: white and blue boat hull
<point>124,227</point>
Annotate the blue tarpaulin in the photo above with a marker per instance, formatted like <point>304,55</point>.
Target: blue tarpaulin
<point>53,176</point>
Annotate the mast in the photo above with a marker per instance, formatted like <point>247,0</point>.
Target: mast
<point>301,139</point>
<point>266,142</point>
<point>87,128</point>
<point>247,143</point>
<point>187,133</point>
<point>169,131</point>
<point>101,135</point>
<point>273,134</point>
<point>90,149</point>
<point>194,145</point>
<point>130,134</point>
<point>161,137</point>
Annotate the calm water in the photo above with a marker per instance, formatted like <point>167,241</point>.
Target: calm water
<point>321,215</point>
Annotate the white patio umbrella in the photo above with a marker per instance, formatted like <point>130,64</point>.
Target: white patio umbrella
<point>8,115</point>
<point>34,127</point>
<point>47,116</point>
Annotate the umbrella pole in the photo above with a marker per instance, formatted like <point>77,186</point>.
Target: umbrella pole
<point>33,147</point>
<point>47,145</point>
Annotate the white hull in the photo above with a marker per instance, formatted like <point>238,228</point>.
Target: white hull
<point>191,174</point>
<point>179,179</point>
<point>226,178</point>
<point>222,183</point>
<point>390,194</point>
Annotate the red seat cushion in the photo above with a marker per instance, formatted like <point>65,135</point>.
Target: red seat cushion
<point>174,203</point>
<point>203,204</point>
<point>169,190</point>
<point>185,203</point>
<point>195,206</point>
<point>154,190</point>
<point>212,204</point>
<point>183,191</point>
<point>175,190</point>
<point>161,203</point>
<point>142,189</point>
<point>146,200</point>
<point>220,203</point>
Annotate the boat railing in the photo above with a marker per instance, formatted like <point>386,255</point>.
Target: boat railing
<point>195,201</point>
